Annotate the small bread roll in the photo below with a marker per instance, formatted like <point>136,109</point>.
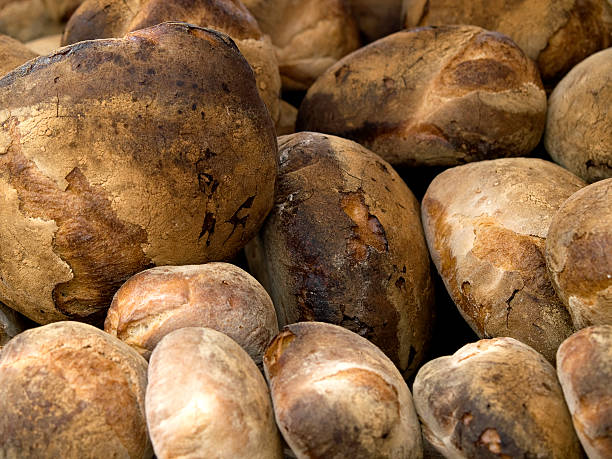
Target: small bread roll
<point>12,54</point>
<point>11,324</point>
<point>432,97</point>
<point>206,398</point>
<point>579,254</point>
<point>335,394</point>
<point>486,225</point>
<point>494,398</point>
<point>579,125</point>
<point>220,296</point>
<point>70,390</point>
<point>584,367</point>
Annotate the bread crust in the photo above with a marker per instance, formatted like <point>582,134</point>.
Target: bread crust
<point>12,54</point>
<point>11,324</point>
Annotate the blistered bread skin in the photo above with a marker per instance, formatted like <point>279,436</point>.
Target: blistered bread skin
<point>70,390</point>
<point>432,97</point>
<point>337,395</point>
<point>115,158</point>
<point>220,296</point>
<point>206,398</point>
<point>486,225</point>
<point>344,245</point>
<point>494,398</point>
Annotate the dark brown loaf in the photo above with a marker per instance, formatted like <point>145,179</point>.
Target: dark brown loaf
<point>584,367</point>
<point>494,398</point>
<point>337,395</point>
<point>432,96</point>
<point>70,390</point>
<point>206,398</point>
<point>135,168</point>
<point>220,296</point>
<point>344,245</point>
<point>486,225</point>
<point>579,254</point>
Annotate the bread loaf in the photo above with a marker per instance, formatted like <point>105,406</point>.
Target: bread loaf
<point>13,54</point>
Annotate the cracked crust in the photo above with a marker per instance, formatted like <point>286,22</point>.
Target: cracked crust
<point>220,296</point>
<point>71,390</point>
<point>557,34</point>
<point>115,18</point>
<point>206,398</point>
<point>337,395</point>
<point>579,125</point>
<point>432,97</point>
<point>101,180</point>
<point>12,54</point>
<point>579,254</point>
<point>486,225</point>
<point>494,398</point>
<point>344,245</point>
<point>584,367</point>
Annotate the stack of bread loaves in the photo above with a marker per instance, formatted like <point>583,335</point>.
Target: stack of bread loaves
<point>273,229</point>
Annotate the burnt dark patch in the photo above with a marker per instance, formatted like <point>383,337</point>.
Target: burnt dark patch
<point>356,325</point>
<point>400,283</point>
<point>208,227</point>
<point>236,220</point>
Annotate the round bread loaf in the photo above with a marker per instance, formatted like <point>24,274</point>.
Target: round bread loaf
<point>70,390</point>
<point>579,254</point>
<point>152,161</point>
<point>206,398</point>
<point>12,54</point>
<point>584,367</point>
<point>45,45</point>
<point>377,18</point>
<point>11,324</point>
<point>220,296</point>
<point>579,126</point>
<point>494,398</point>
<point>337,395</point>
<point>309,35</point>
<point>432,97</point>
<point>115,18</point>
<point>486,225</point>
<point>557,34</point>
<point>344,245</point>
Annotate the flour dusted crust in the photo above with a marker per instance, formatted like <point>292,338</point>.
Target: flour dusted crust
<point>135,168</point>
<point>71,390</point>
<point>584,367</point>
<point>336,395</point>
<point>115,18</point>
<point>557,34</point>
<point>434,96</point>
<point>220,296</point>
<point>579,125</point>
<point>12,54</point>
<point>206,398</point>
<point>579,254</point>
<point>494,398</point>
<point>486,225</point>
<point>344,245</point>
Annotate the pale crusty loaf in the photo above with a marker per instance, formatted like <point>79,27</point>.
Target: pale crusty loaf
<point>220,296</point>
<point>432,96</point>
<point>13,54</point>
<point>70,390</point>
<point>337,395</point>
<point>579,125</point>
<point>579,254</point>
<point>584,367</point>
<point>344,245</point>
<point>486,225</point>
<point>556,34</point>
<point>207,399</point>
<point>494,398</point>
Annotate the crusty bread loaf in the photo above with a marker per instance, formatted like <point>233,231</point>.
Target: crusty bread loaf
<point>220,296</point>
<point>432,96</point>
<point>11,324</point>
<point>45,45</point>
<point>579,254</point>
<point>337,395</point>
<point>13,54</point>
<point>344,245</point>
<point>207,399</point>
<point>579,125</point>
<point>115,18</point>
<point>557,34</point>
<point>377,18</point>
<point>584,367</point>
<point>494,398</point>
<point>486,225</point>
<point>70,390</point>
